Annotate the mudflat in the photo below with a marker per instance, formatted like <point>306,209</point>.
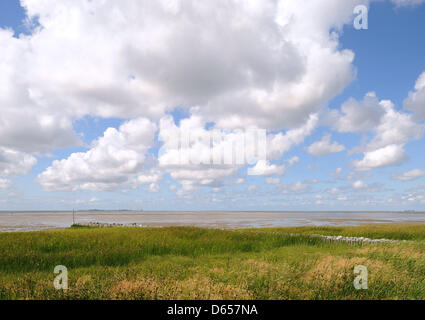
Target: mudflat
<point>36,220</point>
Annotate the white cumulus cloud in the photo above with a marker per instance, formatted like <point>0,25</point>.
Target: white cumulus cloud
<point>15,163</point>
<point>416,99</point>
<point>325,147</point>
<point>357,116</point>
<point>280,143</point>
<point>394,131</point>
<point>410,175</point>
<point>265,168</point>
<point>116,159</point>
<point>381,158</point>
<point>359,185</point>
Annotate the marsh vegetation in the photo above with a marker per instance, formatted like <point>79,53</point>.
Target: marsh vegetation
<point>195,263</point>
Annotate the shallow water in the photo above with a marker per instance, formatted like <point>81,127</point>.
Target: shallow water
<point>32,221</point>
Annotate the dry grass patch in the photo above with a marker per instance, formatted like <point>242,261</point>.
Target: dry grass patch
<point>194,288</point>
<point>331,268</point>
<point>262,267</point>
<point>404,251</point>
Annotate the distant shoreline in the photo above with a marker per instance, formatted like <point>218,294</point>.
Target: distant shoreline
<point>43,220</point>
<point>214,211</point>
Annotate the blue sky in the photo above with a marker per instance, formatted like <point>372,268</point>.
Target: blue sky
<point>388,61</point>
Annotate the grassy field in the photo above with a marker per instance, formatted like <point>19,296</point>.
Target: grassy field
<point>192,263</point>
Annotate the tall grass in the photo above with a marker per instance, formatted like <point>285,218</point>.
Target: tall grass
<point>25,252</point>
<point>390,231</point>
<point>194,263</point>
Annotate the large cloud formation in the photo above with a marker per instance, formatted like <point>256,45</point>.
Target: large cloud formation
<point>265,63</point>
<point>268,64</point>
<point>242,62</point>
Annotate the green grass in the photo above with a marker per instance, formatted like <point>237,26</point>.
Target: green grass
<point>193,263</point>
<point>394,232</point>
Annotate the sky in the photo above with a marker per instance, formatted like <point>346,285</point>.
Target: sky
<point>96,98</point>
